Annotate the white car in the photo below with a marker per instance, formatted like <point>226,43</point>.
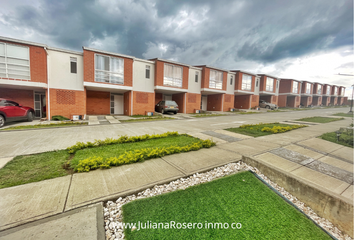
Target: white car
<point>267,105</point>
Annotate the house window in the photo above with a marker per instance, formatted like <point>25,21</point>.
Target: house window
<point>215,80</point>
<point>109,69</point>
<point>308,88</point>
<point>73,65</point>
<point>231,79</point>
<point>196,76</point>
<point>246,82</point>
<point>335,91</point>
<point>269,84</point>
<point>14,61</point>
<point>257,83</point>
<point>147,72</point>
<point>172,75</point>
<point>319,90</point>
<point>295,87</point>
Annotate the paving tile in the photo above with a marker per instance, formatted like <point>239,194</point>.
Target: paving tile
<point>224,137</point>
<point>277,162</point>
<point>337,163</point>
<point>345,153</point>
<point>304,151</point>
<point>205,137</point>
<point>249,147</point>
<point>320,179</point>
<point>4,161</point>
<point>332,171</point>
<point>348,192</point>
<point>99,185</point>
<point>28,202</point>
<point>292,156</point>
<point>320,145</point>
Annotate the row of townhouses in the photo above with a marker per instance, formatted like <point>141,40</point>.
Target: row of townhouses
<point>94,82</point>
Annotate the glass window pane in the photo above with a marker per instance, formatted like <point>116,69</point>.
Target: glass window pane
<point>17,61</point>
<point>2,49</point>
<point>17,51</point>
<point>18,76</point>
<point>2,59</point>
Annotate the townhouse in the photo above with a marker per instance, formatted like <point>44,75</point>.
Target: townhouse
<point>56,81</point>
<point>289,93</point>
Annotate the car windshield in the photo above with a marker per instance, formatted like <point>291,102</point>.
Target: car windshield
<point>171,103</point>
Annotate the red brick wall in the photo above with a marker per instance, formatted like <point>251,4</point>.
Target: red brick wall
<point>23,97</point>
<point>158,98</point>
<point>305,101</point>
<point>334,100</point>
<point>205,77</point>
<point>326,100</point>
<point>229,101</point>
<point>254,101</point>
<point>38,63</point>
<point>179,98</point>
<point>274,100</point>
<point>89,68</point>
<point>242,101</point>
<point>303,87</point>
<point>263,84</point>
<point>193,102</point>
<point>340,101</point>
<point>214,102</point>
<point>316,101</point>
<point>143,102</point>
<point>67,102</point>
<point>224,80</point>
<point>286,86</point>
<point>282,100</point>
<point>238,82</point>
<point>127,103</point>
<point>98,103</point>
<point>159,74</point>
<point>345,101</point>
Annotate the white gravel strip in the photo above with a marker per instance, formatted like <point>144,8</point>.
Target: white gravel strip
<point>113,210</point>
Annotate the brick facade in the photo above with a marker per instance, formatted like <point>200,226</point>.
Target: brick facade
<point>282,101</point>
<point>193,102</point>
<point>143,102</point>
<point>228,102</point>
<point>254,101</point>
<point>179,98</point>
<point>159,74</point>
<point>98,103</point>
<point>127,103</point>
<point>238,81</point>
<point>22,97</point>
<point>215,102</point>
<point>67,102</point>
<point>242,101</point>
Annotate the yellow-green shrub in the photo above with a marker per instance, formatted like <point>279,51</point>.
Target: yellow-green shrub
<point>279,129</point>
<point>138,156</point>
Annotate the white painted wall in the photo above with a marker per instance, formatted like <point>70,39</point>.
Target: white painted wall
<point>140,82</point>
<point>59,71</point>
<point>230,88</point>
<point>194,87</point>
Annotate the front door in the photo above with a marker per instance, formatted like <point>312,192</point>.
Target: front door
<point>39,104</point>
<point>119,104</point>
<point>204,103</point>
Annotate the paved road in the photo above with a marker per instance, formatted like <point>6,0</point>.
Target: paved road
<point>34,141</point>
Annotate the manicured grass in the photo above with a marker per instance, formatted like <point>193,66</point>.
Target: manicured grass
<point>343,115</point>
<point>239,198</point>
<point>147,119</point>
<point>248,112</point>
<point>144,116</point>
<point>33,168</point>
<point>344,139</point>
<point>207,115</point>
<point>275,110</point>
<point>255,130</point>
<point>116,150</point>
<point>319,119</point>
<point>50,125</point>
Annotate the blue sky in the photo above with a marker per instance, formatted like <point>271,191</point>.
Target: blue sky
<point>304,40</point>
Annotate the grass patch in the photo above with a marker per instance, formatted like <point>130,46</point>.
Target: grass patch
<point>33,168</point>
<point>116,150</point>
<point>144,116</point>
<point>255,130</point>
<point>319,119</point>
<point>59,118</point>
<point>343,114</point>
<point>239,198</point>
<point>50,125</point>
<point>275,110</point>
<point>200,115</point>
<point>149,119</point>
<point>248,112</point>
<point>344,139</point>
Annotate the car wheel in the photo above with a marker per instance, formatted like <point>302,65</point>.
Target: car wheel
<point>163,111</point>
<point>29,116</point>
<point>2,121</point>
<point>267,107</point>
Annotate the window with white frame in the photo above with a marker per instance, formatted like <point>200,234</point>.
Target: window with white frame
<point>196,76</point>
<point>328,90</point>
<point>14,61</point>
<point>295,87</point>
<point>335,91</point>
<point>319,89</point>
<point>73,65</point>
<point>308,88</point>
<point>147,72</point>
<point>109,69</point>
<point>246,82</point>
<point>172,75</point>
<point>269,84</point>
<point>231,79</point>
<point>215,79</point>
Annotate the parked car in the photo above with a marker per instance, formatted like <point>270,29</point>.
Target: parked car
<point>11,111</point>
<point>167,106</point>
<point>267,105</point>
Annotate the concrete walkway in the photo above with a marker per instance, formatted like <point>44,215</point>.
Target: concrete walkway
<point>320,164</point>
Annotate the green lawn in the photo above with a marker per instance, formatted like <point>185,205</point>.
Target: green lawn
<point>345,140</point>
<point>255,130</point>
<point>119,149</point>
<point>50,125</point>
<point>239,198</point>
<point>343,115</point>
<point>319,119</point>
<point>33,168</point>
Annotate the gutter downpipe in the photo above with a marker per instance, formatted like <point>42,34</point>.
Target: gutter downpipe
<point>48,88</point>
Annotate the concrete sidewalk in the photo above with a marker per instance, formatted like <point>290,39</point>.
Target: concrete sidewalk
<point>320,164</point>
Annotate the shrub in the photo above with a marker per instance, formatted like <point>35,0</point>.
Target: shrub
<point>279,129</point>
<point>59,118</point>
<point>138,156</point>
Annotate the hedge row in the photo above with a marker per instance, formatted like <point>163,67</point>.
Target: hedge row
<point>279,129</point>
<point>122,139</point>
<point>138,156</point>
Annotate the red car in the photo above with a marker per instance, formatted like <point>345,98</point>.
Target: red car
<point>11,111</point>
